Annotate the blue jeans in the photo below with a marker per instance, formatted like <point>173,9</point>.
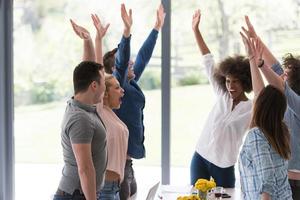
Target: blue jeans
<point>201,168</point>
<point>128,186</point>
<point>110,191</point>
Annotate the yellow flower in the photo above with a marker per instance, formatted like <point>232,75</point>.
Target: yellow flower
<point>204,185</point>
<point>190,197</point>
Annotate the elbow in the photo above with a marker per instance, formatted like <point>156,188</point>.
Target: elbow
<point>85,169</point>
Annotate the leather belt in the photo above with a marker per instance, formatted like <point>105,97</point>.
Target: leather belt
<point>63,193</point>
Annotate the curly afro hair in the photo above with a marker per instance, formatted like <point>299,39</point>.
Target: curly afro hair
<point>237,66</point>
<point>293,79</point>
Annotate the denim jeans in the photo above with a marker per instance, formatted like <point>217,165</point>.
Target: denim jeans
<point>110,191</point>
<point>128,186</point>
<point>202,168</point>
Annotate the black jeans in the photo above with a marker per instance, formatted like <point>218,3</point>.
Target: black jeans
<point>61,195</point>
<point>128,186</point>
<point>295,186</point>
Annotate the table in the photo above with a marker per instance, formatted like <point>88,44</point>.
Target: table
<point>171,192</point>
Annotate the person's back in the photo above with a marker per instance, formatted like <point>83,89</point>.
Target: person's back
<point>275,181</point>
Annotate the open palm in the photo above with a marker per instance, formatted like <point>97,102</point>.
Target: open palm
<point>101,30</point>
<point>196,19</point>
<point>80,31</point>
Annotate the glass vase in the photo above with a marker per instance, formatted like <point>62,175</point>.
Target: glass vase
<point>202,195</point>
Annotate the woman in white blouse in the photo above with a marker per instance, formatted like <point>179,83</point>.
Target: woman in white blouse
<point>218,145</point>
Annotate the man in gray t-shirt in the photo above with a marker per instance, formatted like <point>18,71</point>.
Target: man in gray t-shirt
<point>83,136</point>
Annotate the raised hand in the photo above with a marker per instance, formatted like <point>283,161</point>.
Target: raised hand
<point>101,30</point>
<point>160,17</point>
<point>127,19</point>
<point>254,47</point>
<point>196,20</point>
<point>250,32</point>
<point>249,47</point>
<point>80,31</point>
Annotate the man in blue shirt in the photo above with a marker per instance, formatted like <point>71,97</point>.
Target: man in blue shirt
<point>128,74</point>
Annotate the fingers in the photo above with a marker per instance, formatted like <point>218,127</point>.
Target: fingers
<point>248,22</point>
<point>244,39</point>
<point>130,13</point>
<point>246,32</point>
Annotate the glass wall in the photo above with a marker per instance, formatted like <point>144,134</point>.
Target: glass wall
<point>221,21</point>
<point>46,50</point>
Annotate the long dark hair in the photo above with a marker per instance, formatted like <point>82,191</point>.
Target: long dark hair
<point>268,113</point>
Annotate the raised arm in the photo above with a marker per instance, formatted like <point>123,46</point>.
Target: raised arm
<point>123,53</point>
<point>145,52</point>
<point>267,55</point>
<point>273,78</point>
<point>101,31</point>
<point>200,41</point>
<point>88,47</point>
<point>254,50</point>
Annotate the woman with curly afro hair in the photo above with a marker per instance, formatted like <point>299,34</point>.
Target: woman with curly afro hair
<point>222,135</point>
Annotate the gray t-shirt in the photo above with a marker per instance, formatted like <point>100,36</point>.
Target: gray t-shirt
<point>292,118</point>
<point>81,124</point>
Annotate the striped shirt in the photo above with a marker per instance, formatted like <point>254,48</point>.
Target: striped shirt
<point>262,169</point>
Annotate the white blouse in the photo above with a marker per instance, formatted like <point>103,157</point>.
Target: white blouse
<point>224,129</point>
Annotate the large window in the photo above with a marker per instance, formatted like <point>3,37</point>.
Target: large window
<point>192,97</point>
<point>45,53</point>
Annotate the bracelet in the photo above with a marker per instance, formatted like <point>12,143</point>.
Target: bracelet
<point>262,62</point>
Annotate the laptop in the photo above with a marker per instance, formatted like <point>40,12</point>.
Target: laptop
<point>152,192</point>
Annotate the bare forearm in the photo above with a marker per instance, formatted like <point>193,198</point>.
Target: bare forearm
<point>273,78</point>
<point>268,57</point>
<point>257,82</point>
<point>98,50</point>
<point>201,43</point>
<point>88,182</point>
<point>126,32</point>
<point>88,50</point>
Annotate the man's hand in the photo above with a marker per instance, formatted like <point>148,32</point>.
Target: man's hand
<point>196,20</point>
<point>160,17</point>
<point>80,31</point>
<point>101,30</point>
<point>127,20</point>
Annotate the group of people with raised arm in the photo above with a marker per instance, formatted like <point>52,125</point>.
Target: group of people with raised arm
<point>117,110</point>
<point>103,130</point>
<point>269,158</point>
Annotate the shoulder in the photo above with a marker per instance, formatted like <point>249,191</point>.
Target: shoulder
<point>255,134</point>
